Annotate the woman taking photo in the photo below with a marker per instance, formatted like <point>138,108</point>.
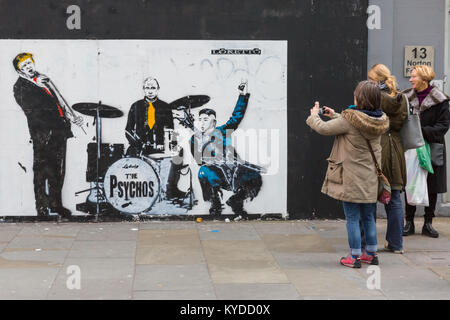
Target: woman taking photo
<point>433,107</point>
<point>393,163</point>
<point>351,175</point>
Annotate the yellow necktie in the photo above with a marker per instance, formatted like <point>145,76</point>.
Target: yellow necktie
<point>151,115</point>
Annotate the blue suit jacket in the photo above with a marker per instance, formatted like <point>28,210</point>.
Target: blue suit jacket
<point>219,146</point>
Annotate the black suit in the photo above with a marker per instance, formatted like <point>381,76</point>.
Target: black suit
<point>49,132</point>
<point>139,134</point>
<point>143,139</point>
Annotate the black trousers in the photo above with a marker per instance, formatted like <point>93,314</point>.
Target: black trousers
<point>49,166</point>
<point>429,211</point>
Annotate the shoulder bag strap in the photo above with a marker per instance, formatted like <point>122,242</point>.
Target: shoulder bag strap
<point>379,172</point>
<point>408,106</point>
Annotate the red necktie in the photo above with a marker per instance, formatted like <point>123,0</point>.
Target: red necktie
<point>49,93</point>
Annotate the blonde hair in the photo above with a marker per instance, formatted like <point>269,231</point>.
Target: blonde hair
<point>381,73</point>
<point>21,57</point>
<point>426,73</point>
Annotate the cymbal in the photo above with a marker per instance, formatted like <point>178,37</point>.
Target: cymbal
<point>190,101</point>
<point>90,109</point>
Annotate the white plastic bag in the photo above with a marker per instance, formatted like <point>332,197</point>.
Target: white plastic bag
<point>416,180</point>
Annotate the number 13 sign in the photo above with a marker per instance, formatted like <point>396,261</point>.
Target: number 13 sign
<point>418,56</point>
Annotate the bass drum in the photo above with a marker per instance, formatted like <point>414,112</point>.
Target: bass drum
<point>131,185</point>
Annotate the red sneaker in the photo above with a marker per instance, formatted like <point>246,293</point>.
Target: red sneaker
<point>351,262</point>
<point>367,258</point>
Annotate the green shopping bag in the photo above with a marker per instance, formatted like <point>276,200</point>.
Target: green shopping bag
<point>423,153</point>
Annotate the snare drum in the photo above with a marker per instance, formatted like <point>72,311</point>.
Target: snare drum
<point>131,185</point>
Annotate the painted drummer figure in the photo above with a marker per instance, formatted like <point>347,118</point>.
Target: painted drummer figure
<point>144,131</point>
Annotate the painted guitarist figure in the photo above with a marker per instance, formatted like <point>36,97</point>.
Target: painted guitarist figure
<point>220,165</point>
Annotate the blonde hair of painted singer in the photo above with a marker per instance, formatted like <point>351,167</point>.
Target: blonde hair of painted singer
<point>21,57</point>
<point>380,73</point>
<point>426,73</point>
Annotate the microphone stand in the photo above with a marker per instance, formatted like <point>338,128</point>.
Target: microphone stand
<point>50,82</point>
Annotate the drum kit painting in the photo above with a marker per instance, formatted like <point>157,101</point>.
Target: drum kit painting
<point>131,185</point>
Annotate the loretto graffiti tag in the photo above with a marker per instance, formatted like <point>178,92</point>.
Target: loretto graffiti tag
<point>143,127</point>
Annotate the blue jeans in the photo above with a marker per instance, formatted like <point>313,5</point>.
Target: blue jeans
<point>394,212</point>
<point>365,212</point>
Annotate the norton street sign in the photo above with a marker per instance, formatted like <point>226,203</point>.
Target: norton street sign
<point>418,56</point>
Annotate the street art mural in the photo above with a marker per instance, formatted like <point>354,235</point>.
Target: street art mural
<point>143,127</point>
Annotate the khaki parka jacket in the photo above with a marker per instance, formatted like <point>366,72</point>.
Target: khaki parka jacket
<point>351,175</point>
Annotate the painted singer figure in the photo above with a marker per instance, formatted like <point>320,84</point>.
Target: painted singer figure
<point>221,166</point>
<point>49,126</point>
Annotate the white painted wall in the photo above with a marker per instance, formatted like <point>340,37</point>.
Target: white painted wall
<point>112,71</point>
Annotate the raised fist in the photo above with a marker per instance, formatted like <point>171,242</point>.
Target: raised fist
<point>243,87</point>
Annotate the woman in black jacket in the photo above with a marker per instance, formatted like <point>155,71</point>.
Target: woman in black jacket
<point>392,156</point>
<point>433,107</point>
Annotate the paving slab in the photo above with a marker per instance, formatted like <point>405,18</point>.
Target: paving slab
<point>169,254</point>
<point>442,272</point>
<point>69,230</point>
<point>305,260</point>
<point>109,232</point>
<point>51,256</point>
<point>6,264</point>
<point>168,279</point>
<point>218,251</point>
<point>110,278</point>
<point>26,283</point>
<point>167,225</point>
<point>418,242</point>
<point>414,283</point>
<point>247,272</point>
<point>323,282</point>
<point>283,227</point>
<point>11,226</point>
<point>41,242</point>
<point>103,249</point>
<point>297,243</point>
<point>332,230</point>
<point>258,291</point>
<point>7,235</point>
<point>389,259</point>
<point>241,262</point>
<point>340,245</point>
<point>185,260</point>
<point>168,237</point>
<point>227,231</point>
<point>428,259</point>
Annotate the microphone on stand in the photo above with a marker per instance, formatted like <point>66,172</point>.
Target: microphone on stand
<point>53,87</point>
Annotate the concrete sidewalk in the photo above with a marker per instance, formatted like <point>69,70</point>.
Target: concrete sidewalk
<point>254,260</point>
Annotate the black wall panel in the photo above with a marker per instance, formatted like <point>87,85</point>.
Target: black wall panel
<point>327,56</point>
